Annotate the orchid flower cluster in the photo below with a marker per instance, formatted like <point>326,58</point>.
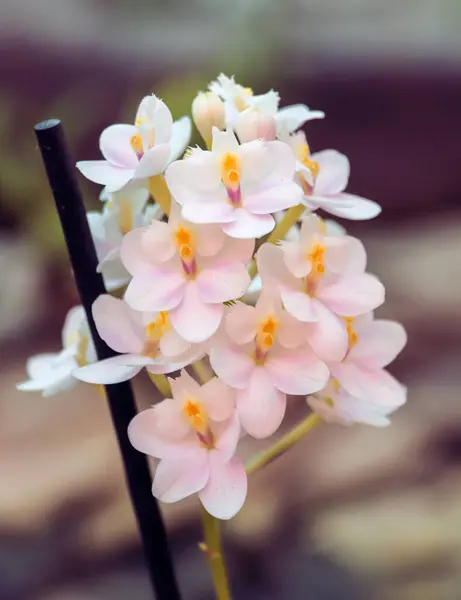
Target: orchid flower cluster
<point>220,256</point>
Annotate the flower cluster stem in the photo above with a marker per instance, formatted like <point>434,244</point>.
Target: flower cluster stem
<point>159,191</point>
<point>283,444</point>
<point>213,550</point>
<point>161,383</point>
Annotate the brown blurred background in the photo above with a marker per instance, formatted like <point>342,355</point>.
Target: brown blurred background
<point>351,513</point>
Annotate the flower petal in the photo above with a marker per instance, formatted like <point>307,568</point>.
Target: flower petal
<point>222,282</point>
<point>218,399</point>
<point>347,206</point>
<point>232,364</point>
<point>378,344</point>
<point>352,295</point>
<point>345,254</point>
<point>247,225</point>
<point>333,173</point>
<point>159,432</point>
<point>172,344</point>
<point>112,370</point>
<point>153,162</point>
<point>273,196</point>
<point>299,305</point>
<point>118,325</point>
<point>177,478</point>
<point>102,172</point>
<point>156,289</point>
<point>241,323</point>
<point>291,118</point>
<point>227,435</point>
<point>376,385</point>
<point>180,136</point>
<point>328,336</point>
<point>115,145</point>
<point>208,212</point>
<point>296,371</point>
<point>260,406</point>
<point>193,319</point>
<point>226,490</point>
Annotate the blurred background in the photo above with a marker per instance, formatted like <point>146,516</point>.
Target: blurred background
<point>351,513</point>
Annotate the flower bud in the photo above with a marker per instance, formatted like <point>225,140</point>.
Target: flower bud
<point>208,112</point>
<point>252,124</point>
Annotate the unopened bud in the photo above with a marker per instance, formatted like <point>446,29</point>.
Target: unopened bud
<point>252,124</point>
<point>208,112</point>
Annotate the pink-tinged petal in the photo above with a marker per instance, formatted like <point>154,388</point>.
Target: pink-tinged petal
<point>115,146</point>
<point>272,197</point>
<point>328,336</point>
<point>247,225</point>
<point>235,250</point>
<point>241,323</point>
<point>153,161</point>
<point>132,252</point>
<point>184,386</point>
<point>111,370</point>
<point>156,289</point>
<point>177,478</point>
<point>300,305</point>
<point>333,173</point>
<point>224,141</point>
<point>296,371</point>
<point>226,490</point>
<point>218,398</point>
<point>295,260</point>
<point>171,364</point>
<point>157,241</point>
<point>118,325</point>
<point>347,206</point>
<point>193,319</point>
<point>102,172</point>
<point>291,118</point>
<point>208,212</point>
<point>180,136</point>
<point>345,255</point>
<point>347,410</point>
<point>227,435</point>
<point>260,406</point>
<point>157,115</point>
<point>211,240</point>
<point>166,420</point>
<point>291,333</point>
<point>173,345</point>
<point>272,268</point>
<point>378,344</point>
<point>222,282</point>
<point>377,385</point>
<point>195,179</point>
<point>352,295</point>
<point>232,364</point>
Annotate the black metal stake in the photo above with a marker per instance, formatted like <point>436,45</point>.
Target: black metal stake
<point>61,175</point>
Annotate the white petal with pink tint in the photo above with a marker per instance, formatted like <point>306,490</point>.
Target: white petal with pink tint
<point>112,370</point>
<point>375,385</point>
<point>156,240</point>
<point>177,478</point>
<point>300,305</point>
<point>260,406</point>
<point>228,435</point>
<point>296,371</point>
<point>157,289</point>
<point>333,174</point>
<point>194,320</point>
<point>172,344</point>
<point>218,398</point>
<point>115,145</point>
<point>222,282</point>
<point>378,344</point>
<point>352,295</point>
<point>241,323</point>
<point>102,172</point>
<point>328,336</point>
<point>248,225</point>
<point>345,255</point>
<point>232,364</point>
<point>118,325</point>
<point>153,161</point>
<point>347,206</point>
<point>226,490</point>
<point>208,212</point>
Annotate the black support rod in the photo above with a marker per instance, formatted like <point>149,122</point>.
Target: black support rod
<point>61,175</point>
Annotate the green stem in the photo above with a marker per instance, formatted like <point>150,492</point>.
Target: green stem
<point>283,444</point>
<point>161,383</point>
<point>213,551</point>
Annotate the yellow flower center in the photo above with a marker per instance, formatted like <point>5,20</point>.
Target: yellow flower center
<point>154,332</point>
<point>185,244</point>
<point>230,175</point>
<point>241,101</point>
<point>197,417</point>
<point>351,333</point>
<point>141,143</point>
<point>316,256</point>
<point>124,216</point>
<point>265,338</point>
